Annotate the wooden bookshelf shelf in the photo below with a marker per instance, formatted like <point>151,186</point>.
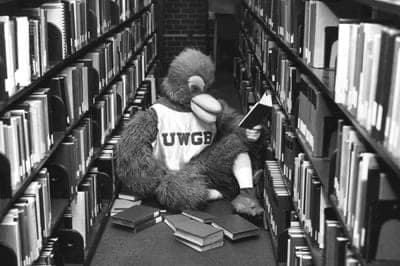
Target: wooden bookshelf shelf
<point>54,70</point>
<point>325,80</point>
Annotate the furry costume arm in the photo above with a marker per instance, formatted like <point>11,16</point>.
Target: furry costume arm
<point>136,167</point>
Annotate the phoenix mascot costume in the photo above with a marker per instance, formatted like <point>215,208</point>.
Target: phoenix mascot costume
<point>186,148</point>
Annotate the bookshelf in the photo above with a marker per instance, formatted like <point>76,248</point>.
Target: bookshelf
<point>5,204</point>
<point>321,165</point>
<point>324,81</point>
<point>131,65</point>
<point>58,67</point>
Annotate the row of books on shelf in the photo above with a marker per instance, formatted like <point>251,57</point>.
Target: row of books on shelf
<point>362,188</point>
<point>310,27</point>
<point>81,88</point>
<point>361,191</point>
<point>249,66</point>
<point>72,173</point>
<point>363,52</point>
<point>91,198</point>
<point>298,250</point>
<point>36,38</point>
<point>28,223</point>
<point>295,96</point>
<point>27,226</point>
<point>286,18</point>
<point>309,199</point>
<point>367,80</point>
<point>302,223</point>
<point>277,205</point>
<point>351,184</point>
<point>315,120</point>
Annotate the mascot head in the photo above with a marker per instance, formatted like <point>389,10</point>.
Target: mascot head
<point>189,76</point>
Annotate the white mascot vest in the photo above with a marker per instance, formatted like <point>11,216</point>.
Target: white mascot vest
<point>181,136</point>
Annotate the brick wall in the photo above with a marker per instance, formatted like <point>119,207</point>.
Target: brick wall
<point>184,24</point>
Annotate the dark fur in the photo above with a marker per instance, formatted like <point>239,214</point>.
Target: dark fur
<point>212,168</point>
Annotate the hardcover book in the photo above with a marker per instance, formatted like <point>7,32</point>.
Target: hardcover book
<point>134,216</point>
<point>148,223</point>
<point>200,248</point>
<point>200,216</point>
<point>198,233</point>
<point>120,205</point>
<point>259,111</point>
<point>173,220</point>
<point>235,227</point>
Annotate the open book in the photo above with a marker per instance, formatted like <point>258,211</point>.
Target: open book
<point>261,109</point>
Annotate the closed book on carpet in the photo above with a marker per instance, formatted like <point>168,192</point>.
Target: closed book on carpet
<point>200,248</point>
<point>134,216</point>
<point>121,205</point>
<point>200,216</point>
<point>174,219</point>
<point>148,223</point>
<point>198,233</point>
<point>235,227</point>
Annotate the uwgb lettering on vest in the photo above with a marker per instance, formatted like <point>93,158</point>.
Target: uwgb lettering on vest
<point>186,138</point>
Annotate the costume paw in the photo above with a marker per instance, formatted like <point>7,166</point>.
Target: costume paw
<point>247,203</point>
<point>254,133</point>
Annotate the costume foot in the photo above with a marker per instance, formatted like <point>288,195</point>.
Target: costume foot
<point>247,203</point>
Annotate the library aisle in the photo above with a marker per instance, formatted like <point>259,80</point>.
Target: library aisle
<point>156,245</point>
<point>74,75</point>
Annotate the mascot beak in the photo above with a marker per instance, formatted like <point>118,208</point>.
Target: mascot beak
<point>205,107</point>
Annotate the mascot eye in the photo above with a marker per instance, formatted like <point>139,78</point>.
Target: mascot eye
<point>196,84</point>
<point>194,89</point>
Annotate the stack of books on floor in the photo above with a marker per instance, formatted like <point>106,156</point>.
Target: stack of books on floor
<point>187,216</point>
<point>123,202</point>
<point>137,218</point>
<point>198,235</point>
<point>203,231</point>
